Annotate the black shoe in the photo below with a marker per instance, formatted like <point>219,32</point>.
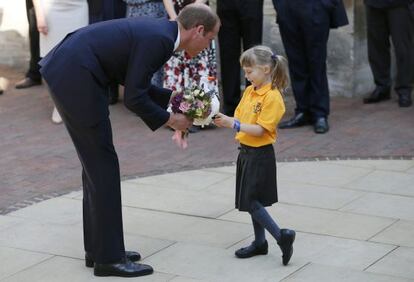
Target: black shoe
<point>124,268</point>
<point>252,250</point>
<point>378,95</point>
<point>321,125</point>
<point>27,82</point>
<point>404,100</point>
<point>1,91</point>
<point>194,129</point>
<point>132,256</point>
<point>300,119</point>
<point>286,244</point>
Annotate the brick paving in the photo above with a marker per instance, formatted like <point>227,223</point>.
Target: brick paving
<point>38,160</point>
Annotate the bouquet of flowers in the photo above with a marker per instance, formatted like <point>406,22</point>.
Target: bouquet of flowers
<point>195,103</point>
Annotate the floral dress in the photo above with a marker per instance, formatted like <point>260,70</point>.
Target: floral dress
<point>148,8</point>
<point>182,71</point>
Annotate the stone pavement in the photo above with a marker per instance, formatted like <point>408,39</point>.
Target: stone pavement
<point>38,160</point>
<point>354,221</point>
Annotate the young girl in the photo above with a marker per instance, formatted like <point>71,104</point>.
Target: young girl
<point>255,121</point>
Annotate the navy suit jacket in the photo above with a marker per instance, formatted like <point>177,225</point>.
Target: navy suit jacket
<point>125,51</point>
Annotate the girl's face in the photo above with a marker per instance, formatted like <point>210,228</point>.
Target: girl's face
<point>257,75</point>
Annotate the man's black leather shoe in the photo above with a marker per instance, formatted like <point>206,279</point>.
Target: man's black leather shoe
<point>404,100</point>
<point>124,268</point>
<point>321,125</point>
<point>378,95</point>
<point>300,119</point>
<point>287,237</point>
<point>252,250</point>
<point>27,82</point>
<point>132,256</point>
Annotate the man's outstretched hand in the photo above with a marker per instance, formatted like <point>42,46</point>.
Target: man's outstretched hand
<point>179,122</point>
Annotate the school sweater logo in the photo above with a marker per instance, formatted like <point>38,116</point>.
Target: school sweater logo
<point>257,107</point>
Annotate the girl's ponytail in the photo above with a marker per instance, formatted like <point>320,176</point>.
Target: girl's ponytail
<point>280,77</point>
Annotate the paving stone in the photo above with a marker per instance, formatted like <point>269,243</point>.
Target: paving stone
<point>383,205</point>
<point>316,272</point>
<point>385,182</point>
<point>321,173</point>
<point>199,203</point>
<point>193,180</point>
<point>297,193</point>
<point>65,211</point>
<point>215,264</point>
<point>397,263</point>
<point>182,228</point>
<point>400,233</point>
<point>388,165</point>
<point>9,221</point>
<point>15,260</point>
<point>67,240</point>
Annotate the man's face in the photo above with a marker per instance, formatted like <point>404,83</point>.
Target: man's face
<point>200,41</point>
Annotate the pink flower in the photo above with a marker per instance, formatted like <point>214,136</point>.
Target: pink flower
<point>200,104</point>
<point>184,107</point>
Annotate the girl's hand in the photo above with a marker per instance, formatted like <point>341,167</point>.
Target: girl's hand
<point>222,120</point>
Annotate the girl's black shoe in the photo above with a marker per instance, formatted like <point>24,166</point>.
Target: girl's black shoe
<point>286,244</point>
<point>252,250</point>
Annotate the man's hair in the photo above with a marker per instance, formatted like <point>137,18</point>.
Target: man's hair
<point>198,14</point>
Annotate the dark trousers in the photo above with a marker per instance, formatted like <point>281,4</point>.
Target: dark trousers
<point>102,210</point>
<point>34,67</point>
<point>304,28</point>
<point>241,23</point>
<point>395,23</point>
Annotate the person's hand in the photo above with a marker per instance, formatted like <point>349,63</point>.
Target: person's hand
<point>42,25</point>
<point>222,120</point>
<point>179,122</point>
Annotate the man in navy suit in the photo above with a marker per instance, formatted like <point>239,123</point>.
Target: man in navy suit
<point>304,26</point>
<point>78,71</point>
<point>390,19</point>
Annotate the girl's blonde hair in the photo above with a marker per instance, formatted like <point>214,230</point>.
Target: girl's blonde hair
<point>262,56</point>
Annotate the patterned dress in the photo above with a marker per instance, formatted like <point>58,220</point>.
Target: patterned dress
<point>182,71</point>
<point>148,8</point>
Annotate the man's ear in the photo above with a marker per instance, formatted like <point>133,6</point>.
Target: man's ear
<point>200,29</point>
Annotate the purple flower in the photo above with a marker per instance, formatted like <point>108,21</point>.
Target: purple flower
<point>175,103</point>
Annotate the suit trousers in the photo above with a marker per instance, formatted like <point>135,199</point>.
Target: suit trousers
<point>102,208</point>
<point>241,23</point>
<point>33,71</point>
<point>398,24</point>
<point>304,28</point>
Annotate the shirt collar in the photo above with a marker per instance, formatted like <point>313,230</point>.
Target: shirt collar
<point>264,89</point>
<point>177,41</point>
